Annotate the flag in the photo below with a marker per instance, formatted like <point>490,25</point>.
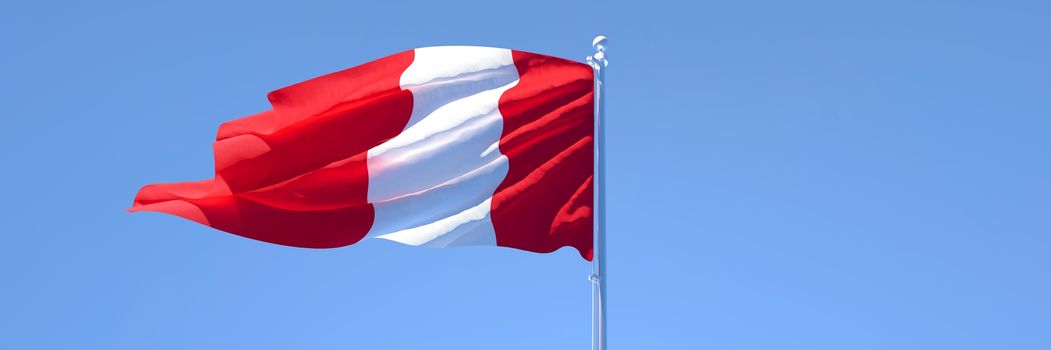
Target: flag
<point>438,146</point>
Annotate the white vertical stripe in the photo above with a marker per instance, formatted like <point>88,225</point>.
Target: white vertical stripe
<point>433,183</point>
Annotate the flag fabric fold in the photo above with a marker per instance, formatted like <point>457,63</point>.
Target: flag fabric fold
<point>439,146</point>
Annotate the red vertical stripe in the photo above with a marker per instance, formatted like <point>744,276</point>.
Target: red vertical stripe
<point>297,175</point>
<point>545,202</point>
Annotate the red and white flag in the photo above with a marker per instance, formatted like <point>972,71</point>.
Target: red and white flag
<point>439,146</point>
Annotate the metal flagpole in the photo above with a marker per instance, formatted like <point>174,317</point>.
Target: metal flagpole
<point>599,273</point>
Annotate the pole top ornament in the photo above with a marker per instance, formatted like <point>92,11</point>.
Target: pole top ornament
<point>598,60</point>
<point>600,43</point>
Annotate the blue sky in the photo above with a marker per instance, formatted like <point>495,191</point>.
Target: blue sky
<point>782,175</point>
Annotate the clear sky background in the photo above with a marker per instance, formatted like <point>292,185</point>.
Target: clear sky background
<point>782,175</point>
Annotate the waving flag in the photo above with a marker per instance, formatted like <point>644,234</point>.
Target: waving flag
<point>439,146</point>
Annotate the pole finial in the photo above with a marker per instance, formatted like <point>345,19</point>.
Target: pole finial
<point>600,43</point>
<point>598,60</point>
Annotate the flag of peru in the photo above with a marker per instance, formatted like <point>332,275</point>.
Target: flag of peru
<point>439,146</point>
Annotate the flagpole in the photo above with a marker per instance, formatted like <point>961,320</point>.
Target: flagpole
<point>599,273</point>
